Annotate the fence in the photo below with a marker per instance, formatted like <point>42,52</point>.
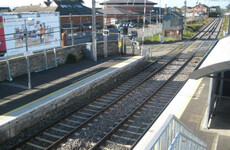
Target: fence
<point>175,135</point>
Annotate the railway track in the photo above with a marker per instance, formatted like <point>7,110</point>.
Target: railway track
<point>210,31</point>
<point>59,130</point>
<point>99,123</point>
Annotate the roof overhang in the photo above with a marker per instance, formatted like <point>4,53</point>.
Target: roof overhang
<point>217,61</point>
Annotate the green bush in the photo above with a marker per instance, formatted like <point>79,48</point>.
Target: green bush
<point>71,58</point>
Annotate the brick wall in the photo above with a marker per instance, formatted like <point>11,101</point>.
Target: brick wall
<point>37,61</point>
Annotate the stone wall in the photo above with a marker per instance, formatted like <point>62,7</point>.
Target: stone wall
<point>37,61</point>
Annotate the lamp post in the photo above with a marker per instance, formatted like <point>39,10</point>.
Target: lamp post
<point>27,53</point>
<point>150,16</point>
<point>156,17</point>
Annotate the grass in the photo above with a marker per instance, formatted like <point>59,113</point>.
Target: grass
<point>155,39</point>
<point>225,26</point>
<point>194,26</point>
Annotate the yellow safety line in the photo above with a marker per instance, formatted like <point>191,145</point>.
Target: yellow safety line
<point>58,91</point>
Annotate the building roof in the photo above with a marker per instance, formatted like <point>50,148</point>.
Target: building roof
<point>64,7</point>
<point>35,8</point>
<point>127,2</point>
<point>73,7</point>
<point>4,9</point>
<point>173,21</point>
<point>217,61</point>
<point>117,11</point>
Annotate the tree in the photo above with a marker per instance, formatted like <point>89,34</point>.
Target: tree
<point>228,7</point>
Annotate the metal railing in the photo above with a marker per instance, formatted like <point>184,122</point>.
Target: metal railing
<point>181,142</point>
<point>173,134</point>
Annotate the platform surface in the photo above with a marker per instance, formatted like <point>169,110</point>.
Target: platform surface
<point>44,92</point>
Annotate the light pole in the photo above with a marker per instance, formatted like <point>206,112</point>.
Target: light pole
<point>156,17</point>
<point>94,36</point>
<point>150,16</point>
<point>27,53</point>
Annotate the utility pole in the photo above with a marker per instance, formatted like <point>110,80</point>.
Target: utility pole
<point>143,29</point>
<point>159,12</point>
<point>105,36</point>
<point>71,26</point>
<point>94,36</point>
<point>185,12</point>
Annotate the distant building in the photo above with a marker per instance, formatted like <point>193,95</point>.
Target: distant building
<point>201,8</point>
<point>173,25</point>
<point>126,10</point>
<point>80,13</point>
<point>4,9</point>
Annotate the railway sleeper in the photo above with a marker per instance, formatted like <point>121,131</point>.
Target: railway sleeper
<point>51,135</point>
<point>84,113</point>
<point>80,117</point>
<point>100,103</point>
<point>115,136</point>
<point>66,125</point>
<point>116,145</point>
<point>44,140</point>
<point>35,146</point>
<point>130,132</point>
<point>73,121</point>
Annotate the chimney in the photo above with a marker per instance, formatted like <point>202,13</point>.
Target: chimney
<point>48,2</point>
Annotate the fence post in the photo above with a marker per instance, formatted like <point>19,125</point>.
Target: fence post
<point>55,57</point>
<point>8,68</point>
<point>71,24</point>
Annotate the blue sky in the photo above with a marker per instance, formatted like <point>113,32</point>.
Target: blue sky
<point>171,3</point>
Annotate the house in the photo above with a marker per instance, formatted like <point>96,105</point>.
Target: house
<point>115,14</point>
<point>173,25</point>
<point>201,8</point>
<point>80,13</point>
<point>192,15</point>
<point>126,10</point>
<point>4,9</point>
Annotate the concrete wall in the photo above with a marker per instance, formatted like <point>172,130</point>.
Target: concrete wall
<point>37,61</point>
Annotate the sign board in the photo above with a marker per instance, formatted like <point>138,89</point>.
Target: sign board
<point>42,31</point>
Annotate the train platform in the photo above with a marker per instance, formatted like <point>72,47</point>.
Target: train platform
<point>18,104</point>
<point>190,104</point>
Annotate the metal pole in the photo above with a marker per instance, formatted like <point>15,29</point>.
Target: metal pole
<point>143,28</point>
<point>159,12</point>
<point>185,12</point>
<point>27,58</point>
<point>94,37</point>
<point>8,68</point>
<point>46,60</point>
<point>71,25</point>
<point>150,18</point>
<point>105,36</point>
<point>207,113</point>
<point>28,72</point>
<point>55,57</point>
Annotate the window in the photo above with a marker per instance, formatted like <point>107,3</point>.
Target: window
<point>64,6</point>
<point>79,6</point>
